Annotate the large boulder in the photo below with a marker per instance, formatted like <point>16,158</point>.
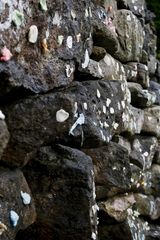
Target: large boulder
<point>107,68</point>
<point>130,37</point>
<point>62,182</point>
<point>47,40</point>
<point>17,204</point>
<point>112,169</point>
<point>137,7</point>
<point>86,111</point>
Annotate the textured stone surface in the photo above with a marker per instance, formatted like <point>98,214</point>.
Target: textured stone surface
<point>59,41</point>
<point>79,100</point>
<point>152,121</point>
<point>155,87</point>
<point>65,198</point>
<point>4,136</point>
<point>145,147</point>
<point>140,97</point>
<point>130,36</point>
<point>12,182</point>
<point>111,167</point>
<point>32,121</point>
<point>117,207</point>
<point>137,7</point>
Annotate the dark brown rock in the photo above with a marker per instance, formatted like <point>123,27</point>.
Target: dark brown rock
<point>111,167</point>
<point>12,183</point>
<point>63,32</point>
<point>34,121</point>
<point>62,182</point>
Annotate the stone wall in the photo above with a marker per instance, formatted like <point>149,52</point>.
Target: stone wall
<point>79,121</point>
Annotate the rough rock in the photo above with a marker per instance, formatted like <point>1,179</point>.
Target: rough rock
<point>131,71</point>
<point>65,198</point>
<point>107,68</point>
<point>155,180</point>
<point>138,7</point>
<point>140,97</point>
<point>124,142</point>
<point>150,40</point>
<point>153,233</point>
<point>60,34</point>
<point>152,121</point>
<point>14,77</point>
<point>111,167</point>
<point>117,207</point>
<point>12,182</point>
<point>133,228</point>
<point>4,135</point>
<point>130,37</point>
<point>140,180</point>
<point>156,158</point>
<point>145,148</point>
<point>103,36</point>
<point>155,87</point>
<point>93,114</point>
<point>143,75</point>
<point>148,206</point>
<point>152,65</point>
<point>133,119</point>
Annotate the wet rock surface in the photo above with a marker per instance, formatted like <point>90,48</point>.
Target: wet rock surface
<point>79,121</point>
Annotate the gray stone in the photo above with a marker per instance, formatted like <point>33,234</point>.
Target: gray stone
<point>131,71</point>
<point>155,87</point>
<point>145,147</point>
<point>124,142</point>
<point>62,182</point>
<point>152,65</point>
<point>98,53</point>
<point>142,75</point>
<point>103,36</point>
<point>150,40</point>
<point>139,97</point>
<point>138,7</point>
<point>152,121</point>
<point>140,180</point>
<point>111,165</point>
<point>145,205</point>
<point>155,180</point>
<point>156,158</point>
<point>4,135</point>
<point>153,233</point>
<point>130,37</point>
<point>117,207</point>
<point>133,119</point>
